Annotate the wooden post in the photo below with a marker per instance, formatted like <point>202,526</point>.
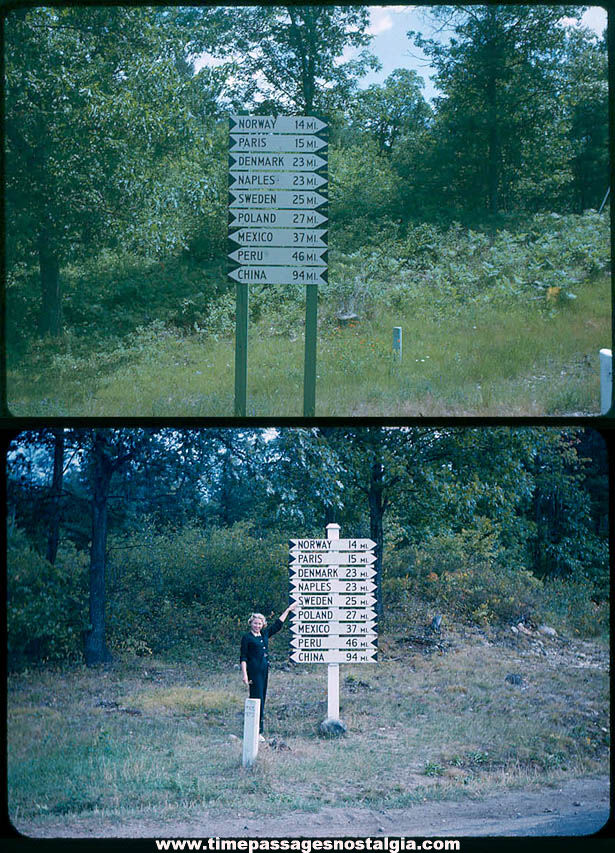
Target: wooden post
<point>397,346</point>
<point>241,350</point>
<point>309,373</point>
<point>333,669</point>
<point>251,720</point>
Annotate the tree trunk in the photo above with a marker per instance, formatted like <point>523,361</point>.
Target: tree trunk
<point>493,130</point>
<point>50,320</point>
<point>376,516</point>
<point>96,650</point>
<point>53,536</point>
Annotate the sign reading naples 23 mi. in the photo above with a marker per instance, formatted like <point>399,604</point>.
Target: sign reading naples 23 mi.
<point>278,196</point>
<point>334,580</point>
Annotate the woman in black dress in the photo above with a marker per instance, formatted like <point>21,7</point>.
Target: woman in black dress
<point>254,655</point>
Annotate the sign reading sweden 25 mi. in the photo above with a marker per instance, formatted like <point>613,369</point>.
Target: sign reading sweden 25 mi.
<point>278,196</point>
<point>334,581</point>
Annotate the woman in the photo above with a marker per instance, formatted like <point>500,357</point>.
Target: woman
<point>254,655</point>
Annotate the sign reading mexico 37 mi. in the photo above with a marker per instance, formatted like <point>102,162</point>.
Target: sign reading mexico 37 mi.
<point>278,197</point>
<point>334,581</point>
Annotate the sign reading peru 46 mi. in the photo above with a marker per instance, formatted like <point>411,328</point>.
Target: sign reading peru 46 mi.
<point>334,582</point>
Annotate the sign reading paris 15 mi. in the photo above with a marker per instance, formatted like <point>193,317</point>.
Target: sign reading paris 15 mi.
<point>334,582</point>
<point>278,196</point>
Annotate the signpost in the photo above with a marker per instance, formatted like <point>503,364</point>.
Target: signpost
<point>278,196</point>
<point>336,622</point>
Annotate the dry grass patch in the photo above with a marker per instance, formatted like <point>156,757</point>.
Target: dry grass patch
<point>185,700</point>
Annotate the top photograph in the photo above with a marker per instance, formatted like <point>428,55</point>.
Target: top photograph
<point>307,211</point>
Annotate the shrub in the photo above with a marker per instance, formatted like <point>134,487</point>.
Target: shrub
<point>46,604</point>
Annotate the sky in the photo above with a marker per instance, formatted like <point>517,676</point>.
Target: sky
<point>390,24</point>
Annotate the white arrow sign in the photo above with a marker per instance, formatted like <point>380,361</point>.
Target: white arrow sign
<point>275,180</point>
<point>331,545</point>
<point>307,238</point>
<point>334,599</point>
<point>334,642</point>
<point>280,218</point>
<point>287,162</point>
<point>338,629</point>
<point>332,656</point>
<point>332,585</point>
<point>258,142</point>
<point>333,558</point>
<point>357,617</point>
<point>288,199</point>
<point>284,257</point>
<point>277,124</point>
<point>279,275</point>
<point>348,573</point>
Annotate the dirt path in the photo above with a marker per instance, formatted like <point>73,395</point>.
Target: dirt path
<point>580,807</point>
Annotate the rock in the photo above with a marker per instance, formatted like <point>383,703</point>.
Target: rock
<point>521,627</point>
<point>233,737</point>
<point>514,678</point>
<point>514,629</point>
<point>547,631</point>
<point>331,728</point>
<point>274,743</point>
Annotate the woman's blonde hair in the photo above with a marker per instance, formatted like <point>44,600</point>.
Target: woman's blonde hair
<point>259,616</point>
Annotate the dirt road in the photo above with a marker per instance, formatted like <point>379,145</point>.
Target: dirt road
<point>575,808</point>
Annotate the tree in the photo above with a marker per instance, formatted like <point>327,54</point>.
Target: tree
<point>501,124</point>
<point>393,110</point>
<point>95,99</point>
<point>288,57</point>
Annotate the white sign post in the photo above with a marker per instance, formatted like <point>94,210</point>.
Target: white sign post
<point>334,581</point>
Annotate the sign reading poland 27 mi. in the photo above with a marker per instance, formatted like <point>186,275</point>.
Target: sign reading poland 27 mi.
<point>334,582</point>
<point>278,197</point>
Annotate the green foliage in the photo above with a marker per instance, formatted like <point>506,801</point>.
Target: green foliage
<point>191,587</point>
<point>575,606</point>
<point>46,604</point>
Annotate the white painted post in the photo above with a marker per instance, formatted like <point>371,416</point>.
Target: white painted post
<point>606,380</point>
<point>251,720</point>
<point>333,669</point>
<point>397,343</point>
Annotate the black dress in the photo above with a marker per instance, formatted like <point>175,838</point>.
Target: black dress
<point>255,652</point>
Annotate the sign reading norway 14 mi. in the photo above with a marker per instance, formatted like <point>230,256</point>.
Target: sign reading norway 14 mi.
<point>334,582</point>
<point>278,197</point>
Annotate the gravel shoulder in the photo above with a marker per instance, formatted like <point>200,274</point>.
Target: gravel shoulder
<point>579,807</point>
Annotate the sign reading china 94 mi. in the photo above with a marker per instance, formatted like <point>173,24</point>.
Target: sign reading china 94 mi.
<point>278,197</point>
<point>334,582</point>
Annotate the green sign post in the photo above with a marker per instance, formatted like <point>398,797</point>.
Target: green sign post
<point>278,196</point>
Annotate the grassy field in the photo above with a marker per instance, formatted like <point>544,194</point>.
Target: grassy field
<point>146,738</point>
<point>480,359</point>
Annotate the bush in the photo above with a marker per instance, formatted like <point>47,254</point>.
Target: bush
<point>46,604</point>
<point>195,586</point>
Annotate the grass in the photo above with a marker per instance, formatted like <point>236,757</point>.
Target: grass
<point>142,739</point>
<point>489,359</point>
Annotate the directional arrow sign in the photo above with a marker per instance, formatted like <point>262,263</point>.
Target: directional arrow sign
<point>334,599</point>
<point>288,162</point>
<point>275,180</point>
<point>277,124</point>
<point>258,143</point>
<point>281,218</point>
<point>348,573</point>
<point>280,275</point>
<point>284,257</point>
<point>332,585</point>
<point>331,545</point>
<point>339,629</point>
<point>308,238</point>
<point>288,199</point>
<point>332,656</point>
<point>360,617</point>
<point>334,642</point>
<point>333,558</point>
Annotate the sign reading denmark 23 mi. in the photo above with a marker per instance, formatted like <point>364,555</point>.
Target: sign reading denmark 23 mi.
<point>334,580</point>
<point>278,195</point>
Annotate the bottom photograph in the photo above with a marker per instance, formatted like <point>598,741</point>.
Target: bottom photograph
<point>299,632</point>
